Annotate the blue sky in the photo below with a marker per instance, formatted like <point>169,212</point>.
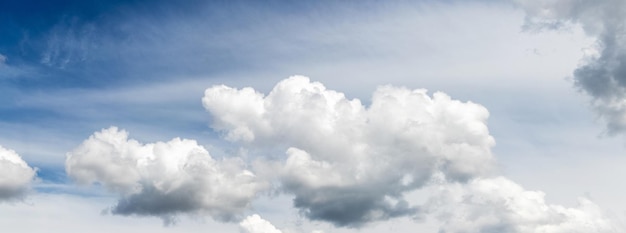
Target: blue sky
<point>69,69</point>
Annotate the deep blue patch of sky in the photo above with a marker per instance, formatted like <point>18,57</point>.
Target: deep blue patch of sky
<point>73,43</point>
<point>80,46</point>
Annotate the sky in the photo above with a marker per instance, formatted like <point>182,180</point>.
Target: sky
<point>313,116</point>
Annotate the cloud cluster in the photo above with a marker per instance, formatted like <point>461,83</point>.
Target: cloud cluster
<point>350,164</point>
<point>500,205</point>
<point>15,175</point>
<point>164,178</point>
<point>602,74</point>
<point>344,162</point>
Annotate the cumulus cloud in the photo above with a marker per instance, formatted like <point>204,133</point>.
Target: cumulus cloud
<point>500,205</point>
<point>164,178</point>
<point>602,74</point>
<point>348,163</point>
<point>15,175</point>
<point>255,224</point>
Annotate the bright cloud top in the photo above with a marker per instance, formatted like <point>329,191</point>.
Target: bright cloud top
<point>15,175</point>
<point>255,224</point>
<point>348,163</point>
<point>163,178</point>
<point>500,205</point>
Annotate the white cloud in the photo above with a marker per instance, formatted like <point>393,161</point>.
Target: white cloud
<point>255,224</point>
<point>15,175</point>
<point>348,163</point>
<point>163,178</point>
<point>500,205</point>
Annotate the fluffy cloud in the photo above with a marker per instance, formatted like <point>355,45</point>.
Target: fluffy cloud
<point>163,178</point>
<point>344,162</point>
<point>350,164</point>
<point>500,205</point>
<point>15,175</point>
<point>255,224</point>
<point>603,73</point>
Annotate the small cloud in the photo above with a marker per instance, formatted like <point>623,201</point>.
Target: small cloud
<point>163,179</point>
<point>255,224</point>
<point>15,176</point>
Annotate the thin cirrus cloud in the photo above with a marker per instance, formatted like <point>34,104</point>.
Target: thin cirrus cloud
<point>163,179</point>
<point>15,176</point>
<point>602,73</point>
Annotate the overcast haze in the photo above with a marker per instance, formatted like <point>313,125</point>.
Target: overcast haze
<point>313,117</point>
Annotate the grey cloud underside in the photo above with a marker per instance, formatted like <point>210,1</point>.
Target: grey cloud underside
<point>350,207</point>
<point>153,202</point>
<point>602,75</point>
<point>12,194</point>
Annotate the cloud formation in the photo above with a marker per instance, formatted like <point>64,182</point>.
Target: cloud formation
<point>500,205</point>
<point>255,224</point>
<point>164,178</point>
<point>602,74</point>
<point>15,175</point>
<point>346,163</point>
<point>350,164</point>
